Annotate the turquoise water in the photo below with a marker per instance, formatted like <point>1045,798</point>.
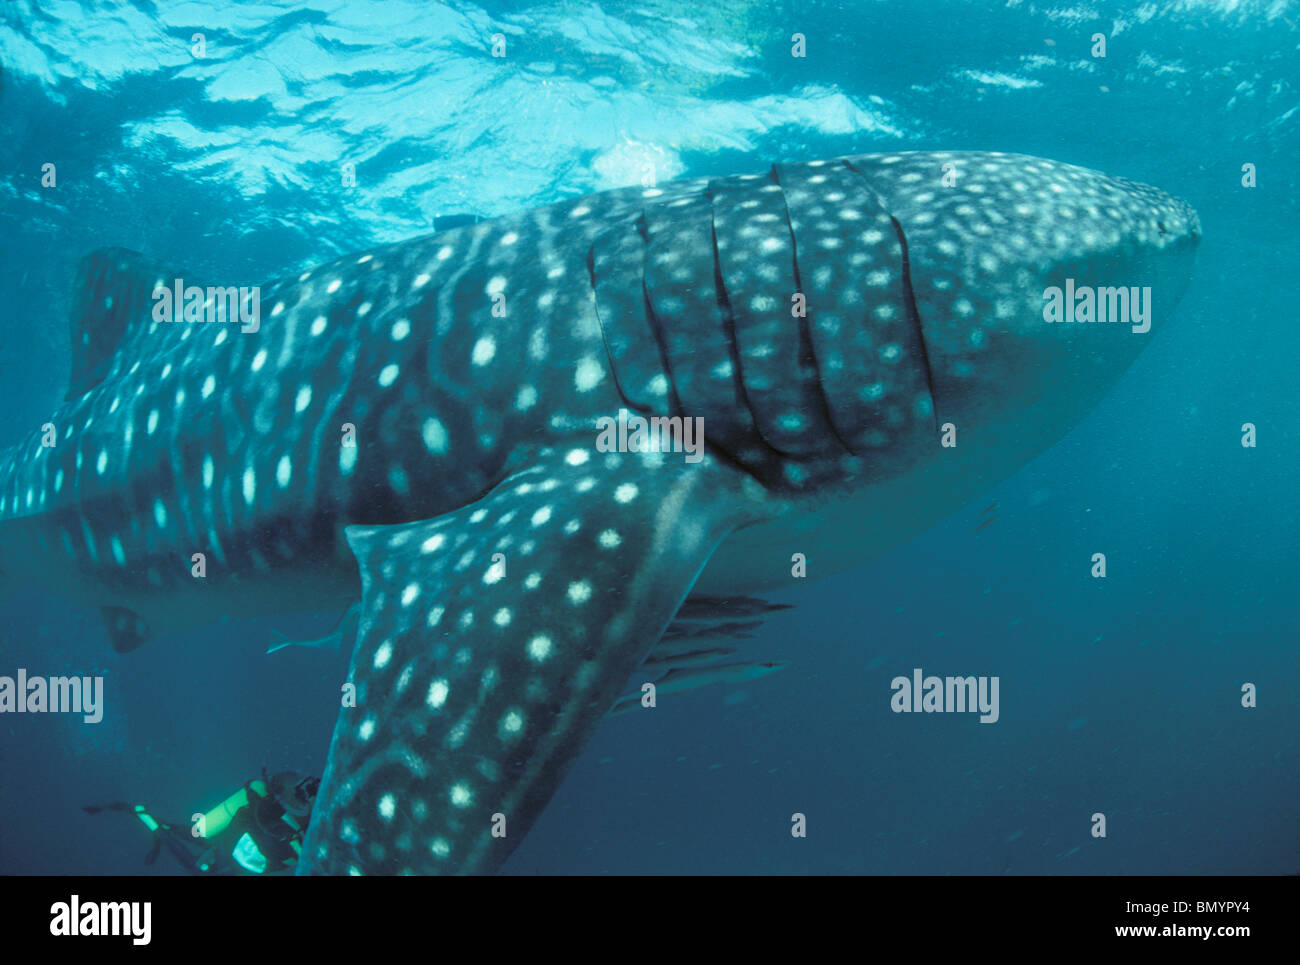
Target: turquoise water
<point>1119,696</point>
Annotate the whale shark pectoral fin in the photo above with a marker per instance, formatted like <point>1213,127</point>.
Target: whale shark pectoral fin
<point>126,628</point>
<point>492,642</point>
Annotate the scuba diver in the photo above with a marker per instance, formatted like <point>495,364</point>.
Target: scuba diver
<point>257,830</point>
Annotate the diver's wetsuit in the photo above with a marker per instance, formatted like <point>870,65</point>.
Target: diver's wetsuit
<point>254,830</point>
<point>249,832</point>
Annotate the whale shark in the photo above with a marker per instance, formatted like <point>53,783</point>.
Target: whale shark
<point>413,431</point>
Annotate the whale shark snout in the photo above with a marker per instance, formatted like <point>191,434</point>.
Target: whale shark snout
<point>1035,283</point>
<point>989,244</point>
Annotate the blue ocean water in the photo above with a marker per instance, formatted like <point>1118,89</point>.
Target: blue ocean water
<point>1120,696</point>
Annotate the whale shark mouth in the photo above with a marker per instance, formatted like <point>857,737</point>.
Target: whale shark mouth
<point>414,431</point>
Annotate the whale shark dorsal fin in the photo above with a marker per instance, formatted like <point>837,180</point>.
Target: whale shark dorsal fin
<point>492,641</point>
<point>126,628</point>
<point>114,296</point>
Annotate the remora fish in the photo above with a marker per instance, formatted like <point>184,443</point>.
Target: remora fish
<point>421,420</point>
<point>343,634</point>
<point>681,679</point>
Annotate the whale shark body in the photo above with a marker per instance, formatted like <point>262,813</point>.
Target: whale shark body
<point>414,430</point>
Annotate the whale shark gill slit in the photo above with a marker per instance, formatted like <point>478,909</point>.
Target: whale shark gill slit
<point>727,451</point>
<point>661,342</point>
<point>914,316</point>
<point>807,354</point>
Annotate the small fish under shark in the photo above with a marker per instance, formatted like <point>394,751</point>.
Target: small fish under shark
<point>415,427</point>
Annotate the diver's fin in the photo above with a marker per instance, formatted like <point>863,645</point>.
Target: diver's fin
<point>126,628</point>
<point>114,301</point>
<point>181,852</point>
<point>493,639</point>
<point>110,806</point>
<point>152,856</point>
<point>343,635</point>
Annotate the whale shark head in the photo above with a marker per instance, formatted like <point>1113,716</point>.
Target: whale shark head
<point>997,242</point>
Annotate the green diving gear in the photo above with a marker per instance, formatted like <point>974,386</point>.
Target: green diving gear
<point>261,833</point>
<point>248,856</point>
<point>258,829</point>
<point>218,819</point>
<point>146,818</point>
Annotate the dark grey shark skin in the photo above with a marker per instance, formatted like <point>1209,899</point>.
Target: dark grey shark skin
<point>480,676</point>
